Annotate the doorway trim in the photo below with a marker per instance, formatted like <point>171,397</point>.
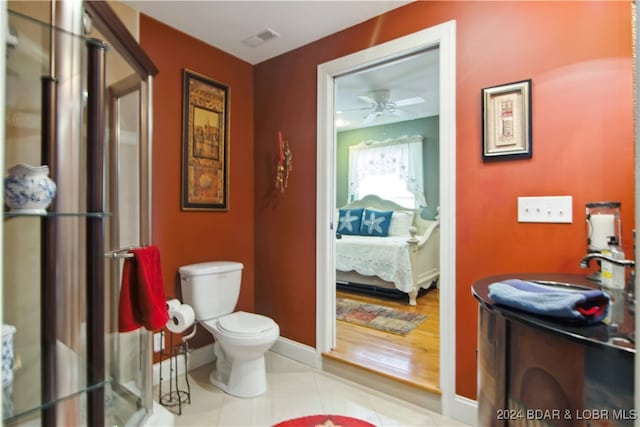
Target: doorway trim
<point>444,36</point>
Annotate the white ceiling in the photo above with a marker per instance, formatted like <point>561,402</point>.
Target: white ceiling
<point>225,24</point>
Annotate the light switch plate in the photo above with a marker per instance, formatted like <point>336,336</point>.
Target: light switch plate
<point>555,209</point>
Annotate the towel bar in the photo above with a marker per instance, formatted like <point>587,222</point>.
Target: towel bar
<point>120,253</point>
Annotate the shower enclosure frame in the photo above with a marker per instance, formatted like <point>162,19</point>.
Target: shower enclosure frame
<point>116,34</point>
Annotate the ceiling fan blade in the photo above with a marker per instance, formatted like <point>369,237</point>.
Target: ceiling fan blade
<point>355,109</point>
<point>409,101</point>
<point>403,113</point>
<point>367,99</point>
<point>370,118</point>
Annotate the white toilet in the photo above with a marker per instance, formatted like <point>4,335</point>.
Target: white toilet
<point>241,339</point>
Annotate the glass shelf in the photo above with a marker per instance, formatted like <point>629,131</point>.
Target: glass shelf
<point>36,22</point>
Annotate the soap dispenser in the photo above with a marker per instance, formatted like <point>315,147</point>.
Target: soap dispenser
<point>613,276</point>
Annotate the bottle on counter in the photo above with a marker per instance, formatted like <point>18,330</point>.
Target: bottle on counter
<point>613,276</point>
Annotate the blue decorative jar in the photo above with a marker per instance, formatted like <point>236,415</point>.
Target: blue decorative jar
<point>28,189</point>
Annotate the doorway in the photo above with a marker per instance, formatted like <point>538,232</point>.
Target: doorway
<point>387,146</point>
<point>442,36</point>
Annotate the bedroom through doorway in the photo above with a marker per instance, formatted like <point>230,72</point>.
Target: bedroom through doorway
<point>442,36</point>
<point>381,110</point>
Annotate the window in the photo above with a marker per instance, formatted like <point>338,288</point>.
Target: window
<point>390,169</point>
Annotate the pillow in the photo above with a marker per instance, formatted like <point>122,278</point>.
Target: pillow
<point>349,221</point>
<point>400,223</point>
<point>375,223</point>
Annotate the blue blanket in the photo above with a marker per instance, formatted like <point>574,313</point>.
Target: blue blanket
<point>588,306</point>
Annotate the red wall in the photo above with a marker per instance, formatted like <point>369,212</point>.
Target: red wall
<point>580,59</point>
<point>578,55</point>
<point>186,237</point>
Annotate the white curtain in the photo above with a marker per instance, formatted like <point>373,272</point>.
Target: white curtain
<point>398,158</point>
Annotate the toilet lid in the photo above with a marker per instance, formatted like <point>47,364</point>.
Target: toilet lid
<point>244,323</point>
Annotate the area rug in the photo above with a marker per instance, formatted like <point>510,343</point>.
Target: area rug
<point>377,317</point>
<point>324,421</point>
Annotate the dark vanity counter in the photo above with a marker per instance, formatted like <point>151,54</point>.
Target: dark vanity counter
<point>534,370</point>
<point>619,336</point>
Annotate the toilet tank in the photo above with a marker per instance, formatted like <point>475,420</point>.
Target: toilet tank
<point>211,288</point>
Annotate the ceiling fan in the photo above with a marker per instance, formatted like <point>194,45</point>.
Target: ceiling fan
<point>380,103</point>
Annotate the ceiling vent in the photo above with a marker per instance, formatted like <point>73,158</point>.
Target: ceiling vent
<point>258,39</point>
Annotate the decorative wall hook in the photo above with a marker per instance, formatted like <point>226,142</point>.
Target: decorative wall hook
<point>285,163</point>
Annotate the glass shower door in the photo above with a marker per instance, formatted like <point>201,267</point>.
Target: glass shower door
<point>127,365</point>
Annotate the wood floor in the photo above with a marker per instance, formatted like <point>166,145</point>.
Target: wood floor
<point>413,359</point>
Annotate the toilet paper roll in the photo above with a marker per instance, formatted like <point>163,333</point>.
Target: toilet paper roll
<point>601,227</point>
<point>180,319</point>
<point>173,304</point>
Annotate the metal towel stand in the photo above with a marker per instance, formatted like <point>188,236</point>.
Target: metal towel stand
<point>175,396</point>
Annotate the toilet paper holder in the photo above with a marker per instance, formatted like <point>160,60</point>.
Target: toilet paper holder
<point>181,316</point>
<point>176,396</point>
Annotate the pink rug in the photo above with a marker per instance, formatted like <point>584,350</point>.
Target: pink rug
<point>324,421</point>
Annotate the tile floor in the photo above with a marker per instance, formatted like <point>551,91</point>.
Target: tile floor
<point>297,390</point>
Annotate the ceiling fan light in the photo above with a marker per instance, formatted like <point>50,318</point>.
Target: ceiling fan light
<point>381,95</point>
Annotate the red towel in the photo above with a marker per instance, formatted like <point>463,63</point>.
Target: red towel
<point>129,318</point>
<point>142,296</point>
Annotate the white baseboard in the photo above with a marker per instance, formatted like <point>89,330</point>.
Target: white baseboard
<point>465,410</point>
<point>299,352</point>
<point>204,355</point>
<point>196,358</point>
<point>201,356</point>
<point>167,365</point>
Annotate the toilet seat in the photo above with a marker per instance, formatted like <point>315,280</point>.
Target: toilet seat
<point>241,323</point>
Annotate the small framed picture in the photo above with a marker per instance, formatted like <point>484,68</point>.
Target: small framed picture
<point>506,121</point>
<point>205,141</point>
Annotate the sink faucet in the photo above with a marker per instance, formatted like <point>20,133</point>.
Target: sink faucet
<point>584,262</point>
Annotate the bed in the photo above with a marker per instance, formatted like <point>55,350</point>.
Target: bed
<point>405,258</point>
